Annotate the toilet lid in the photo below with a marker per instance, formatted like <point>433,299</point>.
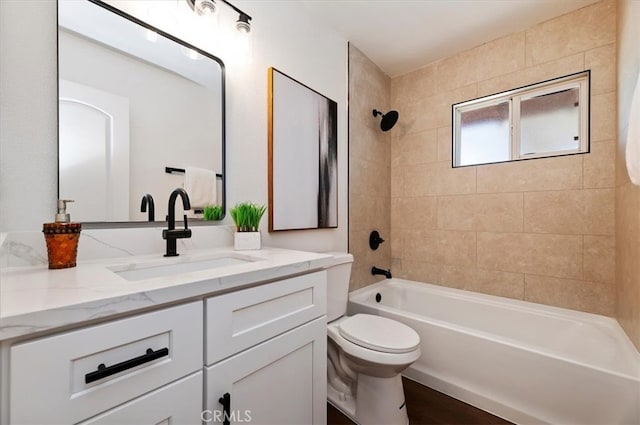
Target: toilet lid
<point>379,334</point>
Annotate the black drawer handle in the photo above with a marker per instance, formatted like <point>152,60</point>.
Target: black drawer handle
<point>225,400</point>
<point>103,371</point>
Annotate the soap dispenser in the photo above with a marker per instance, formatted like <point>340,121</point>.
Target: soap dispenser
<point>62,238</point>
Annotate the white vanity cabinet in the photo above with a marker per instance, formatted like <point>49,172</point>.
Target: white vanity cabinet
<point>73,376</point>
<point>266,353</point>
<point>250,345</point>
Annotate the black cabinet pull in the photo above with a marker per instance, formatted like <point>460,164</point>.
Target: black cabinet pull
<point>103,371</point>
<point>225,400</point>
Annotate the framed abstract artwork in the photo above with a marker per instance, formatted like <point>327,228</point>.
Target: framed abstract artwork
<point>303,156</point>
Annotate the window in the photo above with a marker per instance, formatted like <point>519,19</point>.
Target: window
<point>545,119</point>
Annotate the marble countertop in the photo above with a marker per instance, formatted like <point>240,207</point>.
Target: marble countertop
<point>35,299</point>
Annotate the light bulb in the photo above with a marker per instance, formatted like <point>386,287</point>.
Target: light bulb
<point>191,54</point>
<point>242,24</point>
<point>205,7</point>
<point>151,35</point>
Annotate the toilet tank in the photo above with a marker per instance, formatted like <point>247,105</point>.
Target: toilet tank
<point>338,275</point>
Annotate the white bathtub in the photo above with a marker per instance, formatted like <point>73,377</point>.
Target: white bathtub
<point>528,363</point>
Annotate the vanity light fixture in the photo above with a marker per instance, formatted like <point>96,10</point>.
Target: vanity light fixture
<point>209,7</point>
<point>242,24</point>
<point>204,7</point>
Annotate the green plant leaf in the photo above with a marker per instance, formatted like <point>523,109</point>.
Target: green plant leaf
<point>247,216</point>
<point>212,212</point>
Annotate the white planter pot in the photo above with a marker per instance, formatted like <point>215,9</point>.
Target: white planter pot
<point>246,241</point>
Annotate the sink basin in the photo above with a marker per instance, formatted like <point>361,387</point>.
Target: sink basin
<point>141,271</point>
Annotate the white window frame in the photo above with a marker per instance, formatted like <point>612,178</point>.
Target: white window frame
<point>579,80</point>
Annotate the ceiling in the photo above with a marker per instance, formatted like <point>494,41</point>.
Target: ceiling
<point>401,36</point>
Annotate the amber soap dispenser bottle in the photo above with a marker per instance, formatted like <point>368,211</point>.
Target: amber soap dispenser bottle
<point>62,238</point>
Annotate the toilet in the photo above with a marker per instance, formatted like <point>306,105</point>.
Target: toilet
<point>366,355</point>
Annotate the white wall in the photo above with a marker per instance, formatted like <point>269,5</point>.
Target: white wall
<point>628,62</point>
<point>288,39</point>
<point>285,36</point>
<point>28,114</point>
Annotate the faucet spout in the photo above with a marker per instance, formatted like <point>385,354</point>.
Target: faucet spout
<point>171,234</point>
<point>186,205</point>
<point>385,273</point>
<point>147,201</point>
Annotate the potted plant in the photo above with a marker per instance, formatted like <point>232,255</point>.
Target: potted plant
<point>247,216</point>
<point>212,212</point>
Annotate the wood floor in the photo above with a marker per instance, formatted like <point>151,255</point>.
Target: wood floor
<point>429,407</point>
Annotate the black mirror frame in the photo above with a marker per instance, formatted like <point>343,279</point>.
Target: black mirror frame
<point>132,224</point>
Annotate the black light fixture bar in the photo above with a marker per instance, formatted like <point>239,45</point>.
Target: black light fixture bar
<point>236,9</point>
<point>239,11</point>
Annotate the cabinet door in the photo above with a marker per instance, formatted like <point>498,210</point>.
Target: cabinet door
<point>281,381</point>
<point>177,403</point>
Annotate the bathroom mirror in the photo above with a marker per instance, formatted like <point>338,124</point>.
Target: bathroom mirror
<point>137,107</point>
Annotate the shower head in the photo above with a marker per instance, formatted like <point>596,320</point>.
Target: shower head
<point>388,120</point>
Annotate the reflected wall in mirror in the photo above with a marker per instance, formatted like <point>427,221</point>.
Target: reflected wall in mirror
<point>132,102</point>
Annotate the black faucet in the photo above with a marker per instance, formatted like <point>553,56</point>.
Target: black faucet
<point>385,273</point>
<point>171,234</point>
<point>147,199</point>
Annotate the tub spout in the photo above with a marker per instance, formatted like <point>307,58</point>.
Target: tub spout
<point>385,273</point>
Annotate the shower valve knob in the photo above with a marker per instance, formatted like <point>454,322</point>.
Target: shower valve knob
<point>375,240</point>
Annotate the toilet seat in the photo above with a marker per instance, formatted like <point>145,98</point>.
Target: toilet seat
<point>379,333</point>
<point>367,354</point>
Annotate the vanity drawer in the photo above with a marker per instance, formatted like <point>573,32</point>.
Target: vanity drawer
<point>58,379</point>
<point>177,403</point>
<point>242,319</point>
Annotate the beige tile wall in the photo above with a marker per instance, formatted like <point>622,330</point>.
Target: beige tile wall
<point>369,168</point>
<point>627,194</point>
<point>540,230</point>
